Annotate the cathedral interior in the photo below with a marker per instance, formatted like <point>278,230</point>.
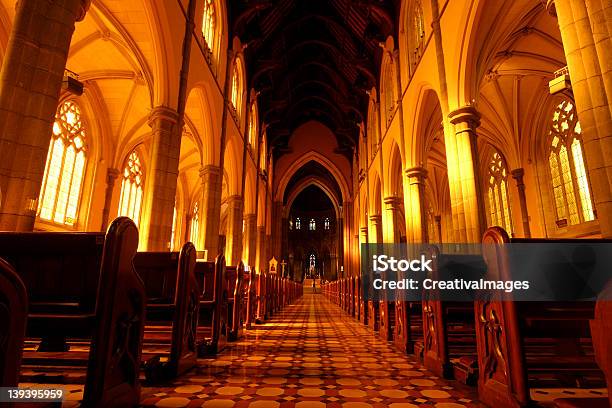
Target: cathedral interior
<point>188,189</point>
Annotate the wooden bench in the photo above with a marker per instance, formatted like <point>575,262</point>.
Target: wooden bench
<point>13,315</point>
<point>530,344</point>
<point>173,303</point>
<point>82,287</point>
<point>212,324</point>
<point>262,297</point>
<point>408,330</point>
<point>386,314</point>
<point>234,276</point>
<point>250,297</point>
<point>449,327</point>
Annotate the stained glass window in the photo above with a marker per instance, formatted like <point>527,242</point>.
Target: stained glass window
<point>570,184</point>
<point>132,188</point>
<point>252,130</point>
<point>389,93</point>
<point>236,93</point>
<point>418,31</point>
<point>63,179</point>
<point>312,225</point>
<point>173,232</point>
<point>298,224</point>
<point>195,224</point>
<point>209,23</point>
<point>497,192</point>
<point>326,223</point>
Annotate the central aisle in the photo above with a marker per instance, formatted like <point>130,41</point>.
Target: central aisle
<point>309,355</point>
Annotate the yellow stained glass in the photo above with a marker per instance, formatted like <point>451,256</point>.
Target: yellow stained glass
<point>130,201</point>
<point>195,225</point>
<point>499,209</point>
<point>569,177</point>
<point>209,23</point>
<point>583,184</point>
<point>66,161</point>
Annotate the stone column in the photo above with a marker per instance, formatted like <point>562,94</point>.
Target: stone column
<point>250,239</point>
<point>518,174</point>
<point>438,221</point>
<point>111,177</point>
<point>416,221</point>
<point>30,82</point>
<point>375,229</point>
<point>390,228</point>
<point>277,229</point>
<point>462,162</point>
<point>261,260</point>
<point>210,177</point>
<point>586,42</point>
<point>162,176</point>
<point>233,237</point>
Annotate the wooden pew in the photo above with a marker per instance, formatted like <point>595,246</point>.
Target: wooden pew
<point>527,344</point>
<point>408,330</point>
<point>13,315</point>
<point>250,297</point>
<point>234,276</point>
<point>212,325</point>
<point>386,315</point>
<point>449,327</point>
<point>83,286</point>
<point>173,304</point>
<point>262,297</point>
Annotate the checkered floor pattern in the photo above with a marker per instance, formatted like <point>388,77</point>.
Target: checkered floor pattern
<point>310,355</point>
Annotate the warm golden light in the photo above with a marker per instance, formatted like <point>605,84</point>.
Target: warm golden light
<point>132,188</point>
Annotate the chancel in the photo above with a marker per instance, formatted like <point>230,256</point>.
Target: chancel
<point>192,193</point>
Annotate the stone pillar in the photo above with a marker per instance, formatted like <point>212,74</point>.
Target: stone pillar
<point>250,239</point>
<point>392,218</point>
<point>210,177</point>
<point>30,82</point>
<point>438,221</point>
<point>375,229</point>
<point>518,174</point>
<point>462,162</point>
<point>586,42</point>
<point>277,230</point>
<point>416,221</point>
<point>260,258</point>
<point>111,177</point>
<point>233,236</point>
<point>162,176</point>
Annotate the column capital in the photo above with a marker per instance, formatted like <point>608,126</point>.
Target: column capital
<point>163,113</point>
<point>249,217</point>
<point>518,174</point>
<point>376,218</point>
<point>467,115</point>
<point>233,199</point>
<point>210,169</point>
<point>418,173</point>
<point>112,174</point>
<point>392,202</point>
<point>364,230</point>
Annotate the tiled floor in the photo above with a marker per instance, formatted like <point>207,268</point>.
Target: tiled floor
<point>310,355</point>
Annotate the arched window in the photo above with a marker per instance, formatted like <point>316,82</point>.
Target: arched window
<point>237,88</point>
<point>372,136</point>
<point>173,232</point>
<point>263,154</point>
<point>298,224</point>
<point>63,179</point>
<point>313,261</point>
<point>326,223</point>
<point>312,225</point>
<point>132,188</point>
<point>290,225</point>
<point>570,183</point>
<point>252,130</point>
<point>418,33</point>
<point>209,24</point>
<point>497,192</point>
<point>389,92</point>
<point>195,224</point>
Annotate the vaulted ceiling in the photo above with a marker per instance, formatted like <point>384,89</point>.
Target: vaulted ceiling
<point>313,60</point>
